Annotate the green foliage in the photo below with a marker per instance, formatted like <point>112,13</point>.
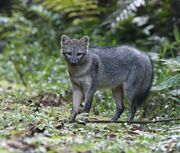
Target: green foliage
<point>73,8</point>
<point>31,40</point>
<point>172,48</point>
<point>169,75</point>
<point>32,74</point>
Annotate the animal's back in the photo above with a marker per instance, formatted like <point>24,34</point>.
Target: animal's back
<point>124,53</point>
<point>117,63</point>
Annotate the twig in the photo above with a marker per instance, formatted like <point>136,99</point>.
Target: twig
<point>132,122</point>
<point>20,74</point>
<point>135,122</point>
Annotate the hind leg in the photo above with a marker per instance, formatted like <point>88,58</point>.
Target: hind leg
<point>132,87</point>
<point>131,95</point>
<point>132,109</point>
<point>118,97</point>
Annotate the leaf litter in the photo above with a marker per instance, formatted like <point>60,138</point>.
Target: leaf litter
<point>37,126</point>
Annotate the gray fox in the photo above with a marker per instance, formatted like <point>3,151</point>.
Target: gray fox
<point>123,69</point>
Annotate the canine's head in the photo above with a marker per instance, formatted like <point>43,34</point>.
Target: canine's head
<point>74,50</point>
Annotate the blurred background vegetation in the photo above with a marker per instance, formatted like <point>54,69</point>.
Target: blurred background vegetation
<point>30,33</point>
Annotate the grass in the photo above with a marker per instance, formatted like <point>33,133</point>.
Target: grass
<point>31,117</point>
<point>29,124</point>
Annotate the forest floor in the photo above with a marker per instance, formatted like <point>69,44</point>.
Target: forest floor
<point>34,123</point>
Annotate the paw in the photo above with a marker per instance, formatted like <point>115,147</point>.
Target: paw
<point>71,119</point>
<point>129,120</point>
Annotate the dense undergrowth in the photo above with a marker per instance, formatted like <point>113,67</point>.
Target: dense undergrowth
<point>35,92</point>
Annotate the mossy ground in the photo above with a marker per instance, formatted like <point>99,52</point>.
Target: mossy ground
<point>27,125</point>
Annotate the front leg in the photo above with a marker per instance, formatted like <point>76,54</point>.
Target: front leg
<point>77,98</point>
<point>88,102</point>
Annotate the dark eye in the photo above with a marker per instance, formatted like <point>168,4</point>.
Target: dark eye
<point>79,54</point>
<point>69,53</point>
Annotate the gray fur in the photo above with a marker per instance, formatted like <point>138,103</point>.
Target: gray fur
<point>123,69</point>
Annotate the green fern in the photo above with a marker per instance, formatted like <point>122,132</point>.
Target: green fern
<point>123,11</point>
<point>73,8</point>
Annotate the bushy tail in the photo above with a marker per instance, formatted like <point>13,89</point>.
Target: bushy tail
<point>141,97</point>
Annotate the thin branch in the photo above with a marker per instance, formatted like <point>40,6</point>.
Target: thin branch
<point>135,122</point>
<point>20,74</point>
<point>132,122</point>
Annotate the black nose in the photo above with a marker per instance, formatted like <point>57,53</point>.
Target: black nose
<point>73,63</point>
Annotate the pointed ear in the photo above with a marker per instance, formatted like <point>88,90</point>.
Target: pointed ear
<point>84,41</point>
<point>65,40</point>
